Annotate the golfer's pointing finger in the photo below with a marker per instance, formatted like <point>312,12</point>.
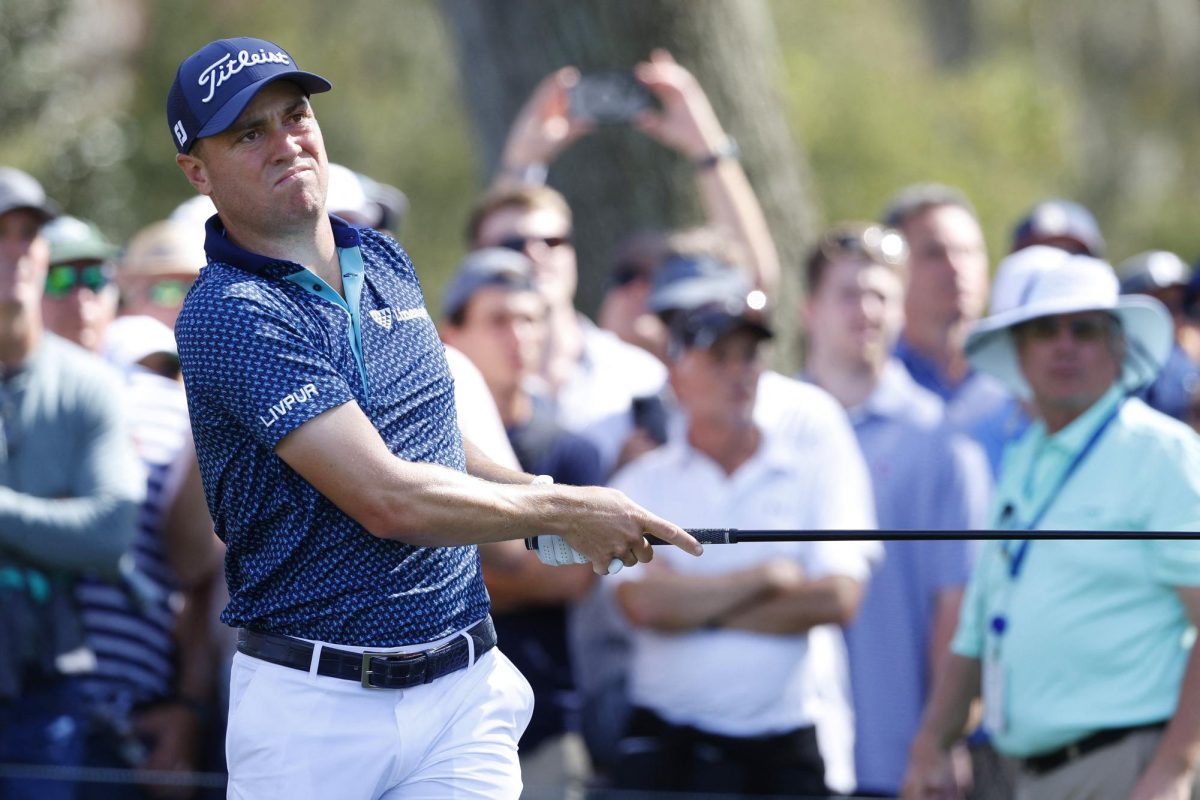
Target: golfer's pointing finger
<point>673,534</point>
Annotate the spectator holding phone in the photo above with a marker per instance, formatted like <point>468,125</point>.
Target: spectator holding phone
<point>685,122</point>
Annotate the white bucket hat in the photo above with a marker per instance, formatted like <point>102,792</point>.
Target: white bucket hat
<point>1043,281</point>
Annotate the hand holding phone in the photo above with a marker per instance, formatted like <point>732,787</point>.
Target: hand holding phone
<point>609,97</point>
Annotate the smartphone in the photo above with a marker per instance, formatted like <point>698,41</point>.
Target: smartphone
<point>609,97</point>
<point>650,414</point>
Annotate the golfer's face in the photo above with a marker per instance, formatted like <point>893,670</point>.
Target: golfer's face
<point>1069,360</point>
<point>268,171</point>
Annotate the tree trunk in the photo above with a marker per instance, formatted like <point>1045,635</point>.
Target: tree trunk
<point>617,180</point>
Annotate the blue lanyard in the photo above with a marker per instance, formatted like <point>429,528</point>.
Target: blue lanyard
<point>1016,558</point>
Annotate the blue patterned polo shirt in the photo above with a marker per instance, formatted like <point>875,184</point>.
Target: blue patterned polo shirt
<point>266,345</point>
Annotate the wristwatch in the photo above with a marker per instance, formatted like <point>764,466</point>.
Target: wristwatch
<point>728,149</point>
<point>533,174</point>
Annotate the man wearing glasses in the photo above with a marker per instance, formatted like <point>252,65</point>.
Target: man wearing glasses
<point>159,266</point>
<point>80,299</point>
<point>1081,650</point>
<point>590,373</point>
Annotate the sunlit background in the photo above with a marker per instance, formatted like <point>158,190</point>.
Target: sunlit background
<point>1011,101</point>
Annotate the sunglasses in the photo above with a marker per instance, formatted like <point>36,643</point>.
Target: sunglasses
<point>520,243</point>
<point>169,293</point>
<point>61,279</point>
<point>1082,329</point>
<point>873,242</point>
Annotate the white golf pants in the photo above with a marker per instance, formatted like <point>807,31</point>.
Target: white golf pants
<point>299,735</point>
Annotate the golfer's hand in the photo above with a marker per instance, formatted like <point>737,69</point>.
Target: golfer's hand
<point>603,525</point>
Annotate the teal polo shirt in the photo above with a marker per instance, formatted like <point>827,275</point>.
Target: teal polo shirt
<point>1094,634</point>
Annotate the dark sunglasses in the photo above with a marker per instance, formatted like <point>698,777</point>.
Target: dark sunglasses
<point>62,278</point>
<point>1082,329</point>
<point>519,243</point>
<point>874,242</point>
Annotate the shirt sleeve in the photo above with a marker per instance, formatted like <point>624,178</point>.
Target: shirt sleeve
<point>843,481</point>
<point>849,559</point>
<point>89,530</point>
<point>253,355</point>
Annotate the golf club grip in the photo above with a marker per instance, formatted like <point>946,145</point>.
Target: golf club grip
<point>704,536</point>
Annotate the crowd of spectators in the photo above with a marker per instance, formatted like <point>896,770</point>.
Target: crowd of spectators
<point>788,668</point>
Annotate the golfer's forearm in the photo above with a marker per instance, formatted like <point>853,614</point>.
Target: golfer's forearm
<point>432,506</point>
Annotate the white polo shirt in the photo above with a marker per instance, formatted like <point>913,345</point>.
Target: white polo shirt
<point>739,683</point>
<point>595,401</point>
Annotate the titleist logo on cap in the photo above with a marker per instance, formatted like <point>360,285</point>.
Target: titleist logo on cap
<point>228,65</point>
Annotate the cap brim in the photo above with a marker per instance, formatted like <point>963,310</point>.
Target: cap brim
<point>46,211</point>
<point>310,82</point>
<point>695,292</point>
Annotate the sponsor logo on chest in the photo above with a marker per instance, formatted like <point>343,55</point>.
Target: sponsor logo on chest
<point>386,317</point>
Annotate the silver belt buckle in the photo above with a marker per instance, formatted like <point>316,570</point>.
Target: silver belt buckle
<point>364,672</point>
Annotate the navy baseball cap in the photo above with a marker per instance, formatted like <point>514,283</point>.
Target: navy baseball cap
<point>685,281</point>
<point>1052,220</point>
<point>1152,271</point>
<point>701,326</point>
<point>490,266</point>
<point>215,84</point>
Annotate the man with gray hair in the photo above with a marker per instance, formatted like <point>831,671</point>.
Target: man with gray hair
<point>1082,651</point>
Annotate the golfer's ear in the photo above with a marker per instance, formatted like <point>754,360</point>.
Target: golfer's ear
<point>195,171</point>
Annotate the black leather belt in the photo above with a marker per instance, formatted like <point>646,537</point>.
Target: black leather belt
<point>373,670</point>
<point>1048,762</point>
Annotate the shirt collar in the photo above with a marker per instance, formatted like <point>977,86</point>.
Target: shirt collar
<point>1074,436</point>
<point>221,249</point>
<point>773,453</point>
<point>893,394</point>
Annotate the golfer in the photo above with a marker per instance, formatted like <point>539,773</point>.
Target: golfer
<point>333,465</point>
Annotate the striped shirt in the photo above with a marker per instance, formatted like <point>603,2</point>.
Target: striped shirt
<point>129,626</point>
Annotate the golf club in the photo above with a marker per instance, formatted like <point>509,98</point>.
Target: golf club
<point>553,550</point>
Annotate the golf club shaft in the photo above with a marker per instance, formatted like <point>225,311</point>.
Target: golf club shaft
<point>554,551</point>
<point>734,535</point>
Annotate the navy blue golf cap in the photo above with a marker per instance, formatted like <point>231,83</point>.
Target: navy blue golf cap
<point>490,266</point>
<point>215,84</point>
<point>1059,223</point>
<point>686,281</point>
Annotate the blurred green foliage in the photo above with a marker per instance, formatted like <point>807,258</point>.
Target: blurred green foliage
<point>858,81</point>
